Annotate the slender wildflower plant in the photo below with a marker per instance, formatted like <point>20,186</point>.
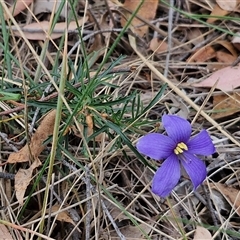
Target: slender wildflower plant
<point>178,149</point>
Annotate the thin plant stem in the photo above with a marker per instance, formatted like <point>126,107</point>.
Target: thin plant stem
<point>175,218</point>
<point>55,132</point>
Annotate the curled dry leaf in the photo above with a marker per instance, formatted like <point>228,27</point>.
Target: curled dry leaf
<point>22,180</point>
<point>36,146</point>
<point>208,52</point>
<point>39,30</point>
<point>223,57</point>
<point>228,46</point>
<point>203,54</point>
<point>146,12</point>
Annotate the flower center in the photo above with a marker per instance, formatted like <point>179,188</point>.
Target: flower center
<point>180,148</point>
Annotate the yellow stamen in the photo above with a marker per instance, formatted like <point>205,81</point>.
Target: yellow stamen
<point>180,148</point>
<point>183,146</point>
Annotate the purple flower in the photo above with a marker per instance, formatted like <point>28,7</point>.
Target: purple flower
<point>179,150</point>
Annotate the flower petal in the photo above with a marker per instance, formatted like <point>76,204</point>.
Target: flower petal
<point>156,146</point>
<point>179,129</point>
<point>195,168</point>
<point>166,177</point>
<point>201,144</point>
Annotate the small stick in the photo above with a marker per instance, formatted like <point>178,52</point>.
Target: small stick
<point>4,137</point>
<point>170,21</point>
<point>88,204</point>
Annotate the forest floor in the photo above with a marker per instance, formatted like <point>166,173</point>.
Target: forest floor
<point>74,103</point>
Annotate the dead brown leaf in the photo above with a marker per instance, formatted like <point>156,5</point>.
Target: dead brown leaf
<point>217,11</point>
<point>195,35</point>
<point>77,133</point>
<point>202,233</point>
<point>225,105</point>
<point>22,179</point>
<point>203,54</point>
<point>36,146</point>
<point>97,47</point>
<point>147,12</point>
<point>224,57</point>
<point>232,195</point>
<point>228,46</point>
<point>50,6</point>
<point>228,79</point>
<point>61,216</point>
<point>158,46</point>
<point>18,7</point>
<point>89,121</point>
